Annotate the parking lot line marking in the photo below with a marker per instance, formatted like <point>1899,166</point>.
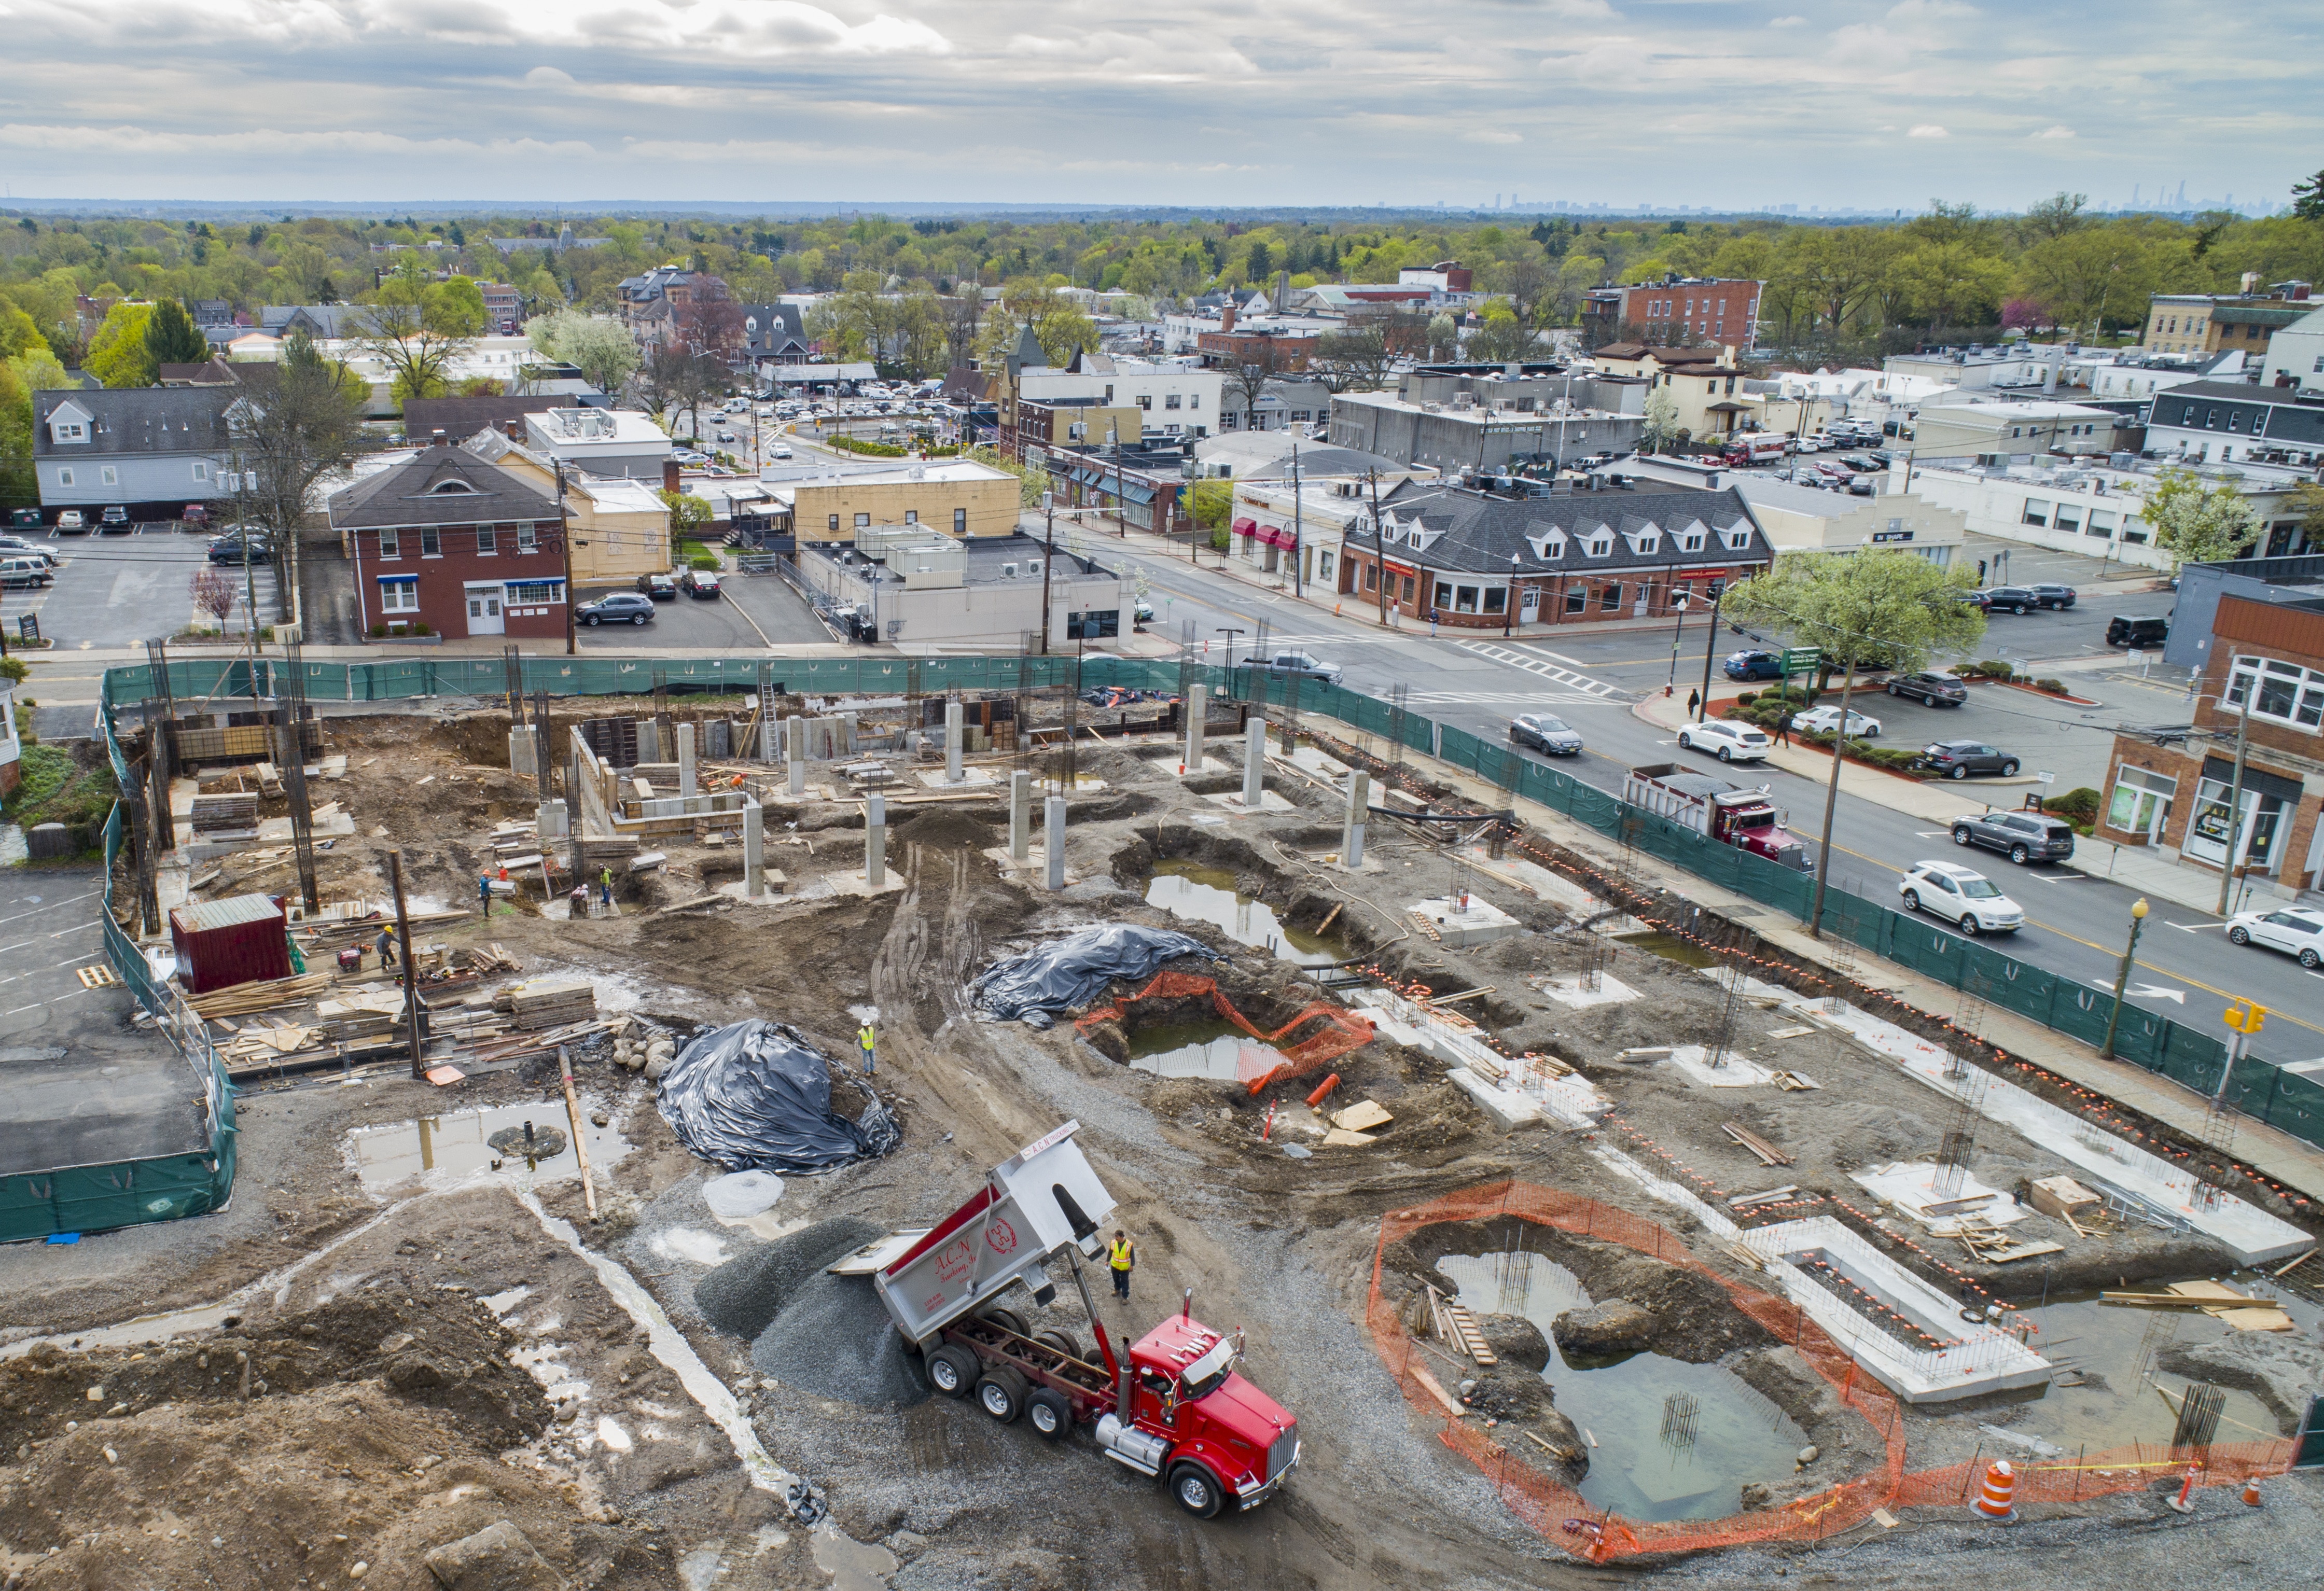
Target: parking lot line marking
<point>33,1006</point>
<point>49,906</point>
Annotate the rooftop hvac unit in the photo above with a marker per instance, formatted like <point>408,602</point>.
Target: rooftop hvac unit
<point>1008,571</point>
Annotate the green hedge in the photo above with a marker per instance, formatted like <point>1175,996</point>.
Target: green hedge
<point>847,444</point>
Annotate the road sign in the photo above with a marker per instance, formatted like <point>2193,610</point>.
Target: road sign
<point>1801,660</point>
<point>2246,1016</point>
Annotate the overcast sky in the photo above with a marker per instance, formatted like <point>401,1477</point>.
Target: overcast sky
<point>1194,101</point>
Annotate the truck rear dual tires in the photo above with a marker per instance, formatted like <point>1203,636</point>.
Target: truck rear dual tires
<point>952,1370</point>
<point>1009,1320</point>
<point>1001,1393</point>
<point>1049,1412</point>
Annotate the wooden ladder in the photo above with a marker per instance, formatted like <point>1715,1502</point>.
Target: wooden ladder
<point>1464,1328</point>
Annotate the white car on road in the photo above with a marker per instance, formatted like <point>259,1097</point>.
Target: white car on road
<point>1820,721</point>
<point>1733,742</point>
<point>2294,930</point>
<point>1963,897</point>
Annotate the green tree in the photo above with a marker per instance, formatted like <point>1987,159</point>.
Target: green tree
<point>297,421</point>
<point>2308,198</point>
<point>1886,608</point>
<point>595,345</point>
<point>1951,283</point>
<point>2198,520</point>
<point>171,337</point>
<point>117,355</point>
<point>416,327</point>
<point>688,516</point>
<point>1032,480</point>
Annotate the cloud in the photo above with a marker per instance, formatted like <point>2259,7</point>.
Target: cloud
<point>134,141</point>
<point>1787,22</point>
<point>2058,132</point>
<point>1492,137</point>
<point>1928,129</point>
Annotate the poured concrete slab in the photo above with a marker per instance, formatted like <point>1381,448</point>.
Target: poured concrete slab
<point>1693,1061</point>
<point>1913,1186</point>
<point>1508,1107</point>
<point>1478,923</point>
<point>970,779</point>
<point>1544,884</point>
<point>2250,1234</point>
<point>1572,988</point>
<point>1035,864</point>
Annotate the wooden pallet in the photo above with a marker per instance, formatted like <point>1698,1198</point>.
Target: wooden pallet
<point>98,976</point>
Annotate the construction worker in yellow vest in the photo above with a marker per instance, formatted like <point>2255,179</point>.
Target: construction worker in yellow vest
<point>1121,1254</point>
<point>869,1040</point>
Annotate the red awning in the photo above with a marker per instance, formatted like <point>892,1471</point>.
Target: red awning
<point>1275,536</point>
<point>1246,527</point>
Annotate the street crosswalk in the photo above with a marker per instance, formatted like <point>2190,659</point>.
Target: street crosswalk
<point>1582,685</point>
<point>1503,699</point>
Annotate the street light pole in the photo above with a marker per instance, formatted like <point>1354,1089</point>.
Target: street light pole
<point>2122,977</point>
<point>1678,630</point>
<point>1509,602</point>
<point>1049,558</point>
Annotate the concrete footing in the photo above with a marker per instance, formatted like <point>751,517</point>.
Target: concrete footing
<point>1254,763</point>
<point>1054,849</point>
<point>1351,828</point>
<point>875,840</point>
<point>524,754</point>
<point>1021,815</point>
<point>1197,705</point>
<point>754,849</point>
<point>686,782</point>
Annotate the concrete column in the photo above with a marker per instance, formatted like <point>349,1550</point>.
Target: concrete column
<point>952,740</point>
<point>754,849</point>
<point>875,840</point>
<point>551,822</point>
<point>1020,816</point>
<point>1197,705</point>
<point>649,740</point>
<point>524,753</point>
<point>1254,762</point>
<point>795,749</point>
<point>1351,830</point>
<point>686,786</point>
<point>1055,841</point>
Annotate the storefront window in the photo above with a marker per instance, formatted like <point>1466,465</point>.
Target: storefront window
<point>1464,599</point>
<point>2141,803</point>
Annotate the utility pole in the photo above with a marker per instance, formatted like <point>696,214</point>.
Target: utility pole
<point>1049,558</point>
<point>1379,543</point>
<point>565,543</point>
<point>2122,978</point>
<point>1709,646</point>
<point>2236,793</point>
<point>1831,792</point>
<point>1678,605</point>
<point>1297,525</point>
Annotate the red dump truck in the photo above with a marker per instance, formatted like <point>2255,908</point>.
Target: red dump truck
<point>1174,1408</point>
<point>1725,812</point>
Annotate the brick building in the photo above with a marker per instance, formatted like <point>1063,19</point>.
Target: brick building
<point>1488,561</point>
<point>1677,309</point>
<point>2173,797</point>
<point>449,540</point>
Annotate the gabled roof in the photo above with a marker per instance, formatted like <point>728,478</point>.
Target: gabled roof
<point>439,485</point>
<point>462,418</point>
<point>770,330</point>
<point>321,320</point>
<point>1467,531</point>
<point>137,420</point>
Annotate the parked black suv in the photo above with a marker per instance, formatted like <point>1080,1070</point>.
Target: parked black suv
<point>1957,759</point>
<point>2027,837</point>
<point>2053,596</point>
<point>1932,689</point>
<point>2011,598</point>
<point>2137,633</point>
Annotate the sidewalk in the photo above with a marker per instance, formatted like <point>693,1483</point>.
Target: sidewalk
<point>2278,1154</point>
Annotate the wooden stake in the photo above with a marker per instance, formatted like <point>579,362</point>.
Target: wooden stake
<point>2295,1264</point>
<point>580,1141</point>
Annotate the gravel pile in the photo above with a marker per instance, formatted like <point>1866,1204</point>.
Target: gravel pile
<point>834,1338</point>
<point>742,1295</point>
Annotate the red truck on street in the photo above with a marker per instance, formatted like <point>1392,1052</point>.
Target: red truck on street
<point>1728,813</point>
<point>1174,1408</point>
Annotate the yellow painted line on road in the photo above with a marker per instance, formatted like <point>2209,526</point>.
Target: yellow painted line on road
<point>2171,973</point>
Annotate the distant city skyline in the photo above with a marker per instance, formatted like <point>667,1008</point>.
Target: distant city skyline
<point>1624,105</point>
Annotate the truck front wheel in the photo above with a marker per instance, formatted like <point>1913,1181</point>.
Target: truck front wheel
<point>1050,1413</point>
<point>1198,1490</point>
<point>952,1370</point>
<point>1001,1394</point>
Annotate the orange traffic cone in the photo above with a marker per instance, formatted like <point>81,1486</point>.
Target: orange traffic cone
<point>1994,1498</point>
<point>2251,1491</point>
<point>2183,1503</point>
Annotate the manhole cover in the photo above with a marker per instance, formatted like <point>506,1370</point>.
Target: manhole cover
<point>527,1142</point>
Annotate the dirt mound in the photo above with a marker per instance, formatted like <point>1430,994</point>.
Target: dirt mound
<point>742,1295</point>
<point>949,827</point>
<point>1873,1135</point>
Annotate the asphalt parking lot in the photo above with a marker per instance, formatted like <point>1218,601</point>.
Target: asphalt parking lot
<point>81,1087</point>
<point>753,613</point>
<point>112,589</point>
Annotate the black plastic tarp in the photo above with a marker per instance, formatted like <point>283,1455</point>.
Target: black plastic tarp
<point>756,1096</point>
<point>1036,987</point>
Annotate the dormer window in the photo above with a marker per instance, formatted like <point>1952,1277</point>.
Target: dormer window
<point>71,431</point>
<point>1646,544</point>
<point>1738,540</point>
<point>1602,546</point>
<point>447,488</point>
<point>1692,543</point>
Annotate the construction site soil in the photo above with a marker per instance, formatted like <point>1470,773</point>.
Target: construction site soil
<point>425,1361</point>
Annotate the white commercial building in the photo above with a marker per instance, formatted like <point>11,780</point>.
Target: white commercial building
<point>2083,508</point>
<point>1178,399</point>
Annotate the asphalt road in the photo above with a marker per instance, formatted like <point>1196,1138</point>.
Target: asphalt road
<point>111,589</point>
<point>2185,968</point>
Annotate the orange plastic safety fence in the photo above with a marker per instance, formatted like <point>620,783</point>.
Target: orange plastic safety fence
<point>1342,1032</point>
<point>1562,1515</point>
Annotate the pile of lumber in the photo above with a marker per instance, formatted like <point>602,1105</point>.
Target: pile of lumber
<point>491,957</point>
<point>514,840</point>
<point>370,1011</point>
<point>2244,1311</point>
<point>548,1002</point>
<point>264,994</point>
<point>219,817</point>
<point>1767,1153</point>
<point>1992,1246</point>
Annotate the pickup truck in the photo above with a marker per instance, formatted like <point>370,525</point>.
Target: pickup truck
<point>1287,664</point>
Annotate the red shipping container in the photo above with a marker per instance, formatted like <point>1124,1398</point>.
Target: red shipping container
<point>229,942</point>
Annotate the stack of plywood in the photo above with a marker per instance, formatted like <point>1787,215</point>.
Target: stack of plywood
<point>226,817</point>
<point>548,1002</point>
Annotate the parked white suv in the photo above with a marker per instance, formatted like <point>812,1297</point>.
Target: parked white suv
<point>1821,720</point>
<point>1963,897</point>
<point>1734,743</point>
<point>2294,930</point>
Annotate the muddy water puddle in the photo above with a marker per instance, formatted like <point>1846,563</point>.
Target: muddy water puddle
<point>1669,947</point>
<point>437,1151</point>
<point>1212,1048</point>
<point>1207,894</point>
<point>1621,1401</point>
<point>2124,1396</point>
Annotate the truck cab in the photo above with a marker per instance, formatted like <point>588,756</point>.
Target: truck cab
<point>1744,819</point>
<point>1220,1438</point>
